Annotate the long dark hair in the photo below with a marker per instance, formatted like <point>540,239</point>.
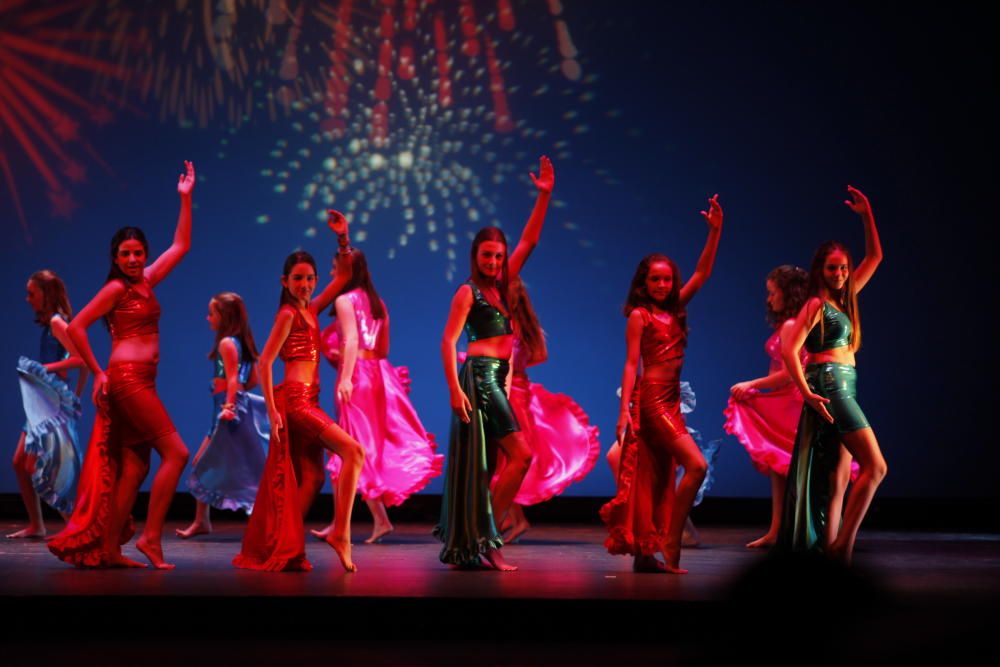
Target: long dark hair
<point>122,235</point>
<point>55,300</point>
<point>297,257</point>
<point>361,278</point>
<point>233,322</point>
<point>847,298</point>
<point>528,328</point>
<point>793,283</point>
<point>503,284</point>
<point>638,296</point>
<point>115,273</point>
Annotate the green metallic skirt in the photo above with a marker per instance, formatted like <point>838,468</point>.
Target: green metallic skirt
<point>815,456</point>
<point>467,527</point>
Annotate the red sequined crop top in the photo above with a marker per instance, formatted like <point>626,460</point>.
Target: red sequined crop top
<point>302,343</point>
<point>662,340</point>
<point>135,314</point>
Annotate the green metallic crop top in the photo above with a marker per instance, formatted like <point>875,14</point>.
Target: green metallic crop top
<point>485,320</point>
<point>836,331</point>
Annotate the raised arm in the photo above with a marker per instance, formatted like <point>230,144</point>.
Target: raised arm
<point>707,260</point>
<point>349,343</point>
<point>172,256</point>
<point>231,366</point>
<point>338,225</point>
<point>460,305</point>
<point>873,246</point>
<point>545,180</point>
<point>633,335</point>
<point>265,367</point>
<point>793,336</point>
<point>76,331</point>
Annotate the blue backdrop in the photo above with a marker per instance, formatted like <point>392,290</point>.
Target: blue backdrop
<point>645,111</point>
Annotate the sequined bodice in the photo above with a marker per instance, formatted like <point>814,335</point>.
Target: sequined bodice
<point>50,349</point>
<point>302,343</point>
<point>135,314</point>
<point>662,340</point>
<point>244,369</point>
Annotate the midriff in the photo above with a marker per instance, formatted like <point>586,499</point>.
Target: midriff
<point>144,349</point>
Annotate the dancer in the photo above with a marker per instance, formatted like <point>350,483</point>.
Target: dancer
<point>47,458</point>
<point>483,418</point>
<point>648,513</point>
<point>765,423</point>
<point>230,461</point>
<point>293,474</point>
<point>373,407</point>
<point>131,419</point>
<point>830,328</point>
<point>564,445</point>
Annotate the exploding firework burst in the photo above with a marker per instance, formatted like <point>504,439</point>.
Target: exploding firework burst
<point>41,116</point>
<point>413,116</point>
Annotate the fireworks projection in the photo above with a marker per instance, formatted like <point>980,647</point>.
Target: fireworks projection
<point>41,114</point>
<point>409,113</point>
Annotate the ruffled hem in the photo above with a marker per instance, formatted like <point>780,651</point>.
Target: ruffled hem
<point>593,452</point>
<point>297,564</point>
<point>621,542</point>
<point>214,498</point>
<point>466,555</point>
<point>765,461</point>
<point>62,428</point>
<point>81,542</point>
<point>394,498</point>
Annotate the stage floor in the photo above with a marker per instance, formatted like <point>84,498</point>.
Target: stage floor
<point>557,562</point>
<point>924,591</point>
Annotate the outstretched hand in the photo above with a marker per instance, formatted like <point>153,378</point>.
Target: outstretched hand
<point>546,178</point>
<point>336,221</point>
<point>185,183</point>
<point>858,201</point>
<point>714,214</point>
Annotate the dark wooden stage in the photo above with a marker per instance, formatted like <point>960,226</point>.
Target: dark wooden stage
<point>909,594</point>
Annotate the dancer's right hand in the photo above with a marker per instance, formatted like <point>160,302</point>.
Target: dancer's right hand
<point>741,390</point>
<point>818,403</point>
<point>624,424</point>
<point>461,406</point>
<point>277,426</point>
<point>99,394</point>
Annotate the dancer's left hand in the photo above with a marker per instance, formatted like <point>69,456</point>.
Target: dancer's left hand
<point>344,390</point>
<point>336,221</point>
<point>546,178</point>
<point>714,214</point>
<point>185,183</point>
<point>858,201</point>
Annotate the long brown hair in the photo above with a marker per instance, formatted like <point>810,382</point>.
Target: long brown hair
<point>297,257</point>
<point>638,296</point>
<point>528,329</point>
<point>233,322</point>
<point>793,283</point>
<point>361,278</point>
<point>846,299</point>
<point>502,285</point>
<point>55,300</point>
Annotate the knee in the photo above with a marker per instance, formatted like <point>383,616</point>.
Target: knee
<point>697,468</point>
<point>879,469</point>
<point>355,455</point>
<point>181,456</point>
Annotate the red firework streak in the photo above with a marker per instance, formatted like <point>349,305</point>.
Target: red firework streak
<point>338,84</point>
<point>39,113</point>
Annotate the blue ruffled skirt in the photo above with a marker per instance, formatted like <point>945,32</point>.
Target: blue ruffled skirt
<point>52,411</point>
<point>228,473</point>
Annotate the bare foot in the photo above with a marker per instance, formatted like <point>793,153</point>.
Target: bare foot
<point>196,528</point>
<point>767,540</point>
<point>672,560</point>
<point>342,546</point>
<point>691,537</point>
<point>495,558</point>
<point>29,532</point>
<point>154,552</point>
<point>118,560</point>
<point>378,532</point>
<point>516,531</point>
<point>322,534</point>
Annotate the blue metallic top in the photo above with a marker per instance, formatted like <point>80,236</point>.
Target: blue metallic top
<point>833,331</point>
<point>50,349</point>
<point>245,367</point>
<point>485,320</point>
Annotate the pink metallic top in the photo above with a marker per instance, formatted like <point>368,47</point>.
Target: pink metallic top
<point>302,343</point>
<point>773,349</point>
<point>369,329</point>
<point>663,340</point>
<point>134,314</point>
